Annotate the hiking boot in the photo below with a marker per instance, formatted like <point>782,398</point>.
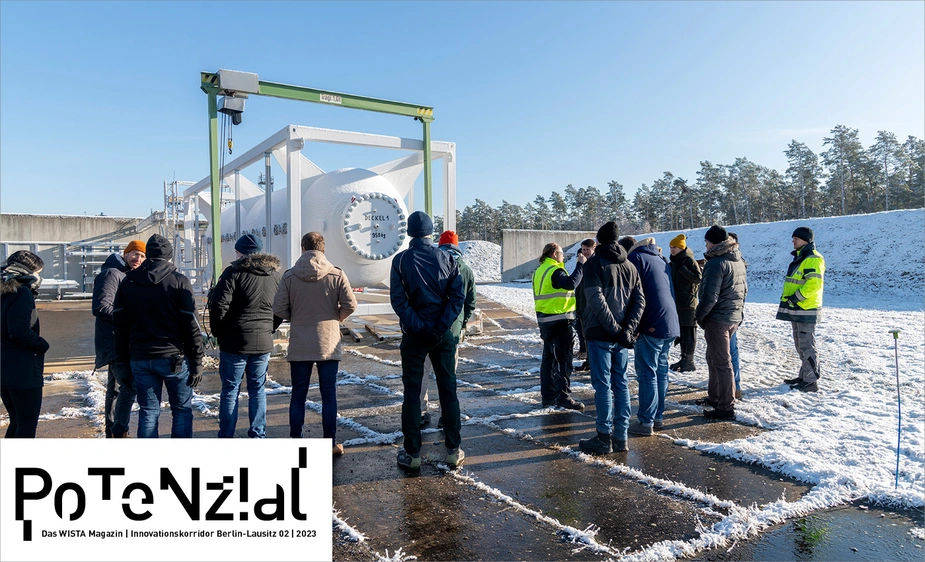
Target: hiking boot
<point>705,402</point>
<point>405,460</point>
<point>454,457</point>
<point>804,386</point>
<point>619,445</point>
<point>658,424</point>
<point>338,449</point>
<point>794,380</point>
<point>569,404</point>
<point>599,444</point>
<point>637,428</point>
<point>715,414</point>
<point>738,394</point>
<point>425,418</point>
<point>682,367</point>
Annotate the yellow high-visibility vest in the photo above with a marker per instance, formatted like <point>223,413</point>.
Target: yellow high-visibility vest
<point>554,304</point>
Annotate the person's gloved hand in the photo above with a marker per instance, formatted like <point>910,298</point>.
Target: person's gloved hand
<point>677,341</point>
<point>128,379</point>
<point>429,338</point>
<point>626,339</point>
<point>195,376</point>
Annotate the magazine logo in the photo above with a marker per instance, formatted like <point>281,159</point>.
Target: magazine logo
<point>139,500</point>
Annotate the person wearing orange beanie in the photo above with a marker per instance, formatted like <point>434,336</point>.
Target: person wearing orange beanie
<point>685,278</point>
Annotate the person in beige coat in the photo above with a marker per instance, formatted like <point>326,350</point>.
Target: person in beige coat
<point>315,296</point>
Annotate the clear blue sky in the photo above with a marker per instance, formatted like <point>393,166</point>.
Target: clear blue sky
<point>100,102</point>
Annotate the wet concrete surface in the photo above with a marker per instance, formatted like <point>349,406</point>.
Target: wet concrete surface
<point>519,492</point>
<point>853,532</point>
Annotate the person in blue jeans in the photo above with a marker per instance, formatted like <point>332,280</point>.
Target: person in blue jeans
<point>158,336</point>
<point>610,319</point>
<point>315,296</point>
<point>241,317</point>
<point>657,330</point>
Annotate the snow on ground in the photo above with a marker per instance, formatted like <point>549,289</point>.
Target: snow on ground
<point>843,438</point>
<point>484,258</point>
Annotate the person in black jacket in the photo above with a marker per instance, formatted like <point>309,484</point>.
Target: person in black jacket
<point>22,349</point>
<point>120,395</point>
<point>156,330</point>
<point>587,250</point>
<point>685,278</point>
<point>426,293</point>
<point>241,317</point>
<point>615,303</point>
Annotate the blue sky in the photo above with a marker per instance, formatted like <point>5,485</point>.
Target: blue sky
<point>100,102</point>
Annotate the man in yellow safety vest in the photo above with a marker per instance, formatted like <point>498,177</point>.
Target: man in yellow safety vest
<point>554,298</point>
<point>801,304</point>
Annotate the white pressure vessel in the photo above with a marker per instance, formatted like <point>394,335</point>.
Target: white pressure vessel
<point>361,215</point>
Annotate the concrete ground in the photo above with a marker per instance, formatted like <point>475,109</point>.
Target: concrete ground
<point>523,492</point>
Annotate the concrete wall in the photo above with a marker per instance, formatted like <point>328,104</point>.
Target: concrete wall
<point>58,228</point>
<point>48,235</point>
<point>521,249</point>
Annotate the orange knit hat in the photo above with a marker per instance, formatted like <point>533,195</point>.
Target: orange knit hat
<point>678,242</point>
<point>134,245</point>
<point>449,237</point>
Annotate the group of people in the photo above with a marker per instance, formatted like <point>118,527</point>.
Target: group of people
<point>623,294</point>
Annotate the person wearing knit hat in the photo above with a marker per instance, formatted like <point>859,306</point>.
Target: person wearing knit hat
<point>449,242</point>
<point>610,320</point>
<point>426,293</point>
<point>719,312</point>
<point>158,338</point>
<point>685,278</point>
<point>120,394</point>
<point>801,305</point>
<point>241,319</point>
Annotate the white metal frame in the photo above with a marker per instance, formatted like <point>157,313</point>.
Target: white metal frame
<point>287,144</point>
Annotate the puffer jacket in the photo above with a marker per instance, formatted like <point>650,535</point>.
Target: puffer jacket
<point>154,315</point>
<point>724,286</point>
<point>315,296</point>
<point>241,305</point>
<point>615,300</point>
<point>104,295</point>
<point>685,276</point>
<point>426,289</point>
<point>660,317</point>
<point>22,348</point>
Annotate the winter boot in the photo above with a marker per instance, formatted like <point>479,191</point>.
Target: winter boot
<point>454,457</point>
<point>405,460</point>
<point>619,445</point>
<point>599,444</point>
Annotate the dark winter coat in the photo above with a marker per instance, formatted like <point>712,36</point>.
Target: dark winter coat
<point>685,276</point>
<point>241,305</point>
<point>426,288</point>
<point>104,294</point>
<point>615,300</point>
<point>660,317</point>
<point>724,287</point>
<point>155,315</point>
<point>22,349</point>
<point>468,279</point>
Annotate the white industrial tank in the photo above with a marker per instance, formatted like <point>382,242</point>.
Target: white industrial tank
<point>361,215</point>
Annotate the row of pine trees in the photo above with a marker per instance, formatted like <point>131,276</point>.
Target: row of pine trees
<point>844,179</point>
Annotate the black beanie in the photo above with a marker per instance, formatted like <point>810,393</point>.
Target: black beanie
<point>420,225</point>
<point>716,235</point>
<point>248,244</point>
<point>608,233</point>
<point>803,233</point>
<point>158,248</point>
